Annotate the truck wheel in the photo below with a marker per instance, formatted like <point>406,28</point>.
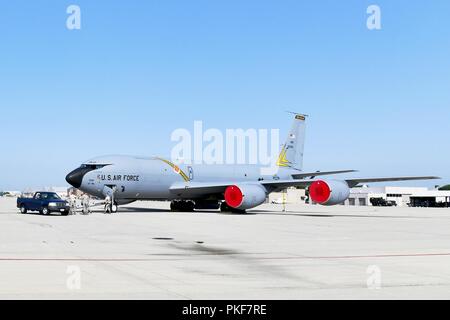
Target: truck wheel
<point>23,209</point>
<point>45,211</point>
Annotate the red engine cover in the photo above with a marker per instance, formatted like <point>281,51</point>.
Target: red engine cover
<point>234,196</point>
<point>320,192</point>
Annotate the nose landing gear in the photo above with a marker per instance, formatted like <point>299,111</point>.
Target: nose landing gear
<point>110,203</point>
<point>111,208</point>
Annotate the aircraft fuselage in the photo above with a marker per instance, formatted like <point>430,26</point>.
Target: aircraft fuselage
<point>151,178</point>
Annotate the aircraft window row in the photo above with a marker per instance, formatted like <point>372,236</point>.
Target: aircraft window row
<point>393,195</point>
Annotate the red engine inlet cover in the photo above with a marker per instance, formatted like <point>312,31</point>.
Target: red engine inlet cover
<point>234,196</point>
<point>320,192</point>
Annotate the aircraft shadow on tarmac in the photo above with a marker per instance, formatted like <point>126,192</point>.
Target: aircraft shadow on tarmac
<point>130,210</point>
<point>250,261</point>
<point>267,212</point>
<point>152,210</point>
<point>326,215</point>
<point>143,210</point>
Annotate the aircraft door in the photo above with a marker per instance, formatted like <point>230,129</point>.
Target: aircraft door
<point>109,191</point>
<point>191,173</point>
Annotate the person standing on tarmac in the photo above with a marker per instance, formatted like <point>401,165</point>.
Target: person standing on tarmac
<point>86,204</point>
<point>108,204</point>
<point>73,205</point>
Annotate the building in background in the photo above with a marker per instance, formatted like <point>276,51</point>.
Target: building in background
<point>290,196</point>
<point>398,196</point>
<point>10,194</point>
<point>60,191</point>
<point>75,192</point>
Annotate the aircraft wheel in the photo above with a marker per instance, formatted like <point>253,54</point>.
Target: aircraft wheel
<point>183,206</point>
<point>114,208</point>
<point>23,209</point>
<point>177,206</point>
<point>224,207</point>
<point>189,206</point>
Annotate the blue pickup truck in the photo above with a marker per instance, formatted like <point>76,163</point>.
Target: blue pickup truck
<point>45,203</point>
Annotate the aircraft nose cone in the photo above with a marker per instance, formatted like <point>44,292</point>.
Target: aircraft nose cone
<point>75,178</point>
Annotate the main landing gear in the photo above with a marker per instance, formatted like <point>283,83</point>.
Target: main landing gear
<point>225,208</point>
<point>190,206</point>
<point>182,206</point>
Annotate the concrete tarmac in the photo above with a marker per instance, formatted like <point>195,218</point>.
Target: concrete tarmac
<point>147,252</point>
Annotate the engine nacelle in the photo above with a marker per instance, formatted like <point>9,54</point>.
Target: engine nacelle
<point>245,196</point>
<point>329,193</point>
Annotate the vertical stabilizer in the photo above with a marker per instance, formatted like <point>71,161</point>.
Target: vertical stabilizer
<point>291,155</point>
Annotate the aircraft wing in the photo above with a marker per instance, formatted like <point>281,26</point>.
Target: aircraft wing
<point>198,189</point>
<point>277,184</point>
<point>319,173</point>
<point>354,182</point>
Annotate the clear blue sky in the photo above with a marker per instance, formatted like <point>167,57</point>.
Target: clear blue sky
<point>379,100</point>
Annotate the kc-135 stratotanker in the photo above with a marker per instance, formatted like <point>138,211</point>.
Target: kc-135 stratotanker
<point>230,188</point>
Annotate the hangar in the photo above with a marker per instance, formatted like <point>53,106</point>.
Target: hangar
<point>370,196</point>
<point>399,196</point>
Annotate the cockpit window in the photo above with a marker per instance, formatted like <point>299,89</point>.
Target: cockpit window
<point>93,166</point>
